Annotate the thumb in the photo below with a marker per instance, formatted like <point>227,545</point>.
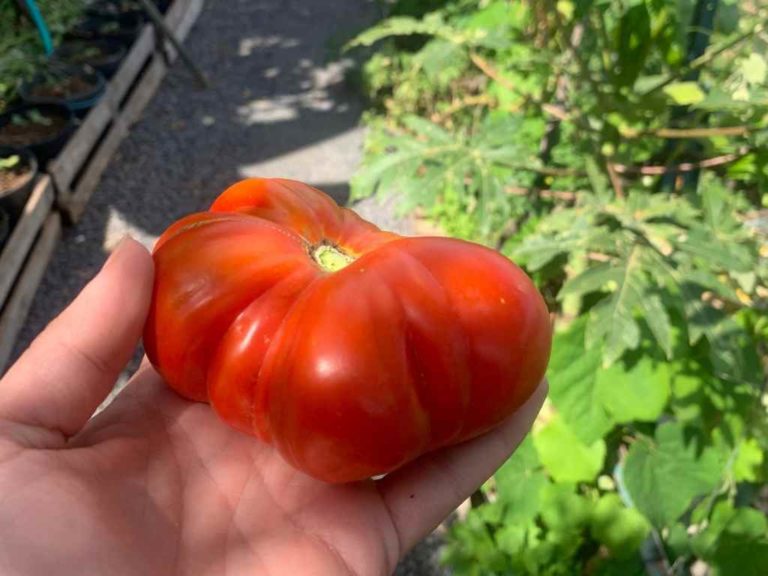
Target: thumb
<point>73,364</point>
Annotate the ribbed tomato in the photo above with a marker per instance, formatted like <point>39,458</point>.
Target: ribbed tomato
<point>350,349</point>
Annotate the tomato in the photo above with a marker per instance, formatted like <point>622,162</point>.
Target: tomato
<point>350,349</point>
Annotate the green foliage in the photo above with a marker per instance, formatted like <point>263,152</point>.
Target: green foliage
<point>21,50</point>
<point>630,178</point>
<point>651,465</point>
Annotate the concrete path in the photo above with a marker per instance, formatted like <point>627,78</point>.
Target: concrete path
<point>278,107</point>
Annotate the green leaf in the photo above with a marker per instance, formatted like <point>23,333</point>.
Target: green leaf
<point>657,318</point>
<point>632,566</point>
<point>635,389</point>
<point>563,509</point>
<point>684,93</point>
<point>754,68</point>
<point>519,482</point>
<point>424,127</point>
<point>572,376</point>
<point>404,26</point>
<point>634,42</point>
<point>664,475</point>
<point>612,321</point>
<point>565,457</point>
<point>619,528</point>
<point>591,280</point>
<point>749,459</point>
<point>736,554</point>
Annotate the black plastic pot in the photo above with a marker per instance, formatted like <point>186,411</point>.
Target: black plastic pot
<point>103,55</point>
<point>122,7</point>
<point>123,29</point>
<point>13,199</point>
<point>44,146</point>
<point>122,10</point>
<point>79,101</point>
<point>5,227</point>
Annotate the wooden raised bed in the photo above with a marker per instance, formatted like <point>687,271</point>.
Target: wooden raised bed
<point>75,173</point>
<point>23,262</point>
<point>78,168</point>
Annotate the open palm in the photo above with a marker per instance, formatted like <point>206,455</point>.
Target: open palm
<point>155,484</point>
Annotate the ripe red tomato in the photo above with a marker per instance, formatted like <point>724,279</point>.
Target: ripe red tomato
<point>350,349</point>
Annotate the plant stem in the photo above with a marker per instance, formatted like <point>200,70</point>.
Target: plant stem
<point>704,59</point>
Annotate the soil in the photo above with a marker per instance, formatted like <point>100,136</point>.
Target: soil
<point>62,88</point>
<point>29,132</point>
<point>12,177</point>
<point>88,55</point>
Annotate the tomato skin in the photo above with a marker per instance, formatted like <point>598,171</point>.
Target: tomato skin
<point>416,344</point>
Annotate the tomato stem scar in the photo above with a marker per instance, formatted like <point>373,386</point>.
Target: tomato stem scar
<point>330,258</point>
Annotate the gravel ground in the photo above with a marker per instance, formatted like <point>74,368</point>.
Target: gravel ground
<point>278,107</point>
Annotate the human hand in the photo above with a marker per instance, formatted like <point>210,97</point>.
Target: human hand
<point>155,484</point>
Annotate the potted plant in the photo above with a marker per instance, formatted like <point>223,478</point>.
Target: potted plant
<point>18,169</point>
<point>77,87</point>
<point>122,7</point>
<point>43,128</point>
<point>103,55</point>
<point>123,29</point>
<point>116,9</point>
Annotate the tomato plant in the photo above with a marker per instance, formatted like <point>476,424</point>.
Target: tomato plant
<point>617,151</point>
<point>352,350</point>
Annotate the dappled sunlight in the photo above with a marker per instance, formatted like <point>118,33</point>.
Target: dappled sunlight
<point>315,94</point>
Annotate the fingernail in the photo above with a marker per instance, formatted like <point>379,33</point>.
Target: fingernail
<point>115,255</point>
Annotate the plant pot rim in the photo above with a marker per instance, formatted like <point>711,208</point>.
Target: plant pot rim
<point>31,163</point>
<point>59,109</point>
<point>91,75</point>
<point>113,46</point>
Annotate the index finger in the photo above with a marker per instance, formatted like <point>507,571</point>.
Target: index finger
<point>421,495</point>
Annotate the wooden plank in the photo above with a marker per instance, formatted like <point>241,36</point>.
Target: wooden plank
<point>193,10</point>
<point>79,147</point>
<point>23,236</point>
<point>16,309</point>
<point>86,186</point>
<point>121,82</point>
<point>150,82</point>
<point>175,13</point>
<point>72,198</point>
<point>181,21</point>
<point>76,151</point>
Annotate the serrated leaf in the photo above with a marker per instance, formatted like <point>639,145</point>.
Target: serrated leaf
<point>684,93</point>
<point>572,375</point>
<point>657,318</point>
<point>442,61</point>
<point>730,256</point>
<point>592,279</point>
<point>434,132</point>
<point>635,389</point>
<point>664,475</point>
<point>565,457</point>
<point>612,320</point>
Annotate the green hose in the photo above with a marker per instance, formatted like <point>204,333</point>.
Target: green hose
<point>42,28</point>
